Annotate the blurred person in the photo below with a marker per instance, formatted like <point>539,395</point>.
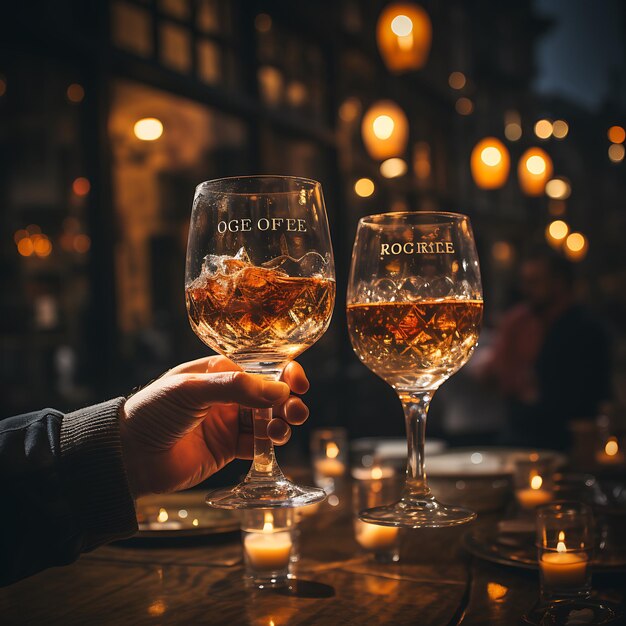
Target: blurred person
<point>69,481</point>
<point>550,358</point>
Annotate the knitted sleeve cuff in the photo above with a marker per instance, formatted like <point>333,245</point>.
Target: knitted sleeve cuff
<point>91,453</point>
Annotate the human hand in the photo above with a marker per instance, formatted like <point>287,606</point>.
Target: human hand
<point>184,426</point>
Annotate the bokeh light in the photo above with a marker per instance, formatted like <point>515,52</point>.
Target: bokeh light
<point>75,93</point>
<point>148,129</point>
<point>464,106</point>
<point>364,187</point>
<point>558,189</point>
<point>543,129</point>
<point>393,168</point>
<point>616,152</point>
<point>457,80</point>
<point>576,246</point>
<point>401,25</point>
<point>616,134</point>
<point>81,186</point>
<point>560,129</point>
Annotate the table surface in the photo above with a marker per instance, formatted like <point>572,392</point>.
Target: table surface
<point>200,581</point>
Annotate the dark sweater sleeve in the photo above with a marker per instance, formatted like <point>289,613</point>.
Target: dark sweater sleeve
<point>63,487</point>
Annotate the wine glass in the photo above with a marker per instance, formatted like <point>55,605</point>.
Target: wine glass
<point>414,312</point>
<point>260,289</point>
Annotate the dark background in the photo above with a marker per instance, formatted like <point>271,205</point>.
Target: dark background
<point>280,87</point>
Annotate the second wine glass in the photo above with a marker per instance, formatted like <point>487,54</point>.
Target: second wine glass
<point>414,312</point>
<point>260,289</point>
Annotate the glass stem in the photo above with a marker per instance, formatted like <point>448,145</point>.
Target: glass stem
<point>264,466</point>
<point>415,405</point>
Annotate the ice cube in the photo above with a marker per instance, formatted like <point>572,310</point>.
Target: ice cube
<point>310,264</point>
<point>224,264</point>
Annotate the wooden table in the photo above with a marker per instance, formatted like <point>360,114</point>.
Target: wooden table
<point>200,582</point>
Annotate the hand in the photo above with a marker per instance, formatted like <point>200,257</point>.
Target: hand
<point>185,426</point>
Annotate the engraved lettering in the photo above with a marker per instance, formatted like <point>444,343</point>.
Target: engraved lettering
<point>291,224</point>
<point>233,226</point>
<point>276,222</point>
<point>384,249</point>
<point>263,224</point>
<point>302,226</point>
<point>418,247</point>
<point>396,248</point>
<point>246,225</point>
<point>221,227</point>
<point>449,247</point>
<point>408,247</point>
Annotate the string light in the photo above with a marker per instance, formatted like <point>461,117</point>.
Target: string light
<point>616,134</point>
<point>560,129</point>
<point>543,129</point>
<point>464,106</point>
<point>457,80</point>
<point>616,152</point>
<point>393,168</point>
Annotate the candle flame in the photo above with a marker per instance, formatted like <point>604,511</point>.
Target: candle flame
<point>162,516</point>
<point>536,482</point>
<point>560,546</point>
<point>611,448</point>
<point>332,451</point>
<point>377,473</point>
<point>268,525</point>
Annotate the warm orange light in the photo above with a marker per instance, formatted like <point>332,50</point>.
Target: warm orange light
<point>536,482</point>
<point>496,591</point>
<point>502,253</point>
<point>576,247</point>
<point>490,163</point>
<point>350,109</point>
<point>41,245</point>
<point>81,186</point>
<point>19,235</point>
<point>385,130</point>
<point>558,189</point>
<point>163,515</point>
<point>25,246</point>
<point>616,152</point>
<point>534,170</point>
<point>393,168</point>
<point>464,106</point>
<point>558,230</point>
<point>560,128</point>
<point>364,187</point>
<point>560,546</point>
<point>404,35</point>
<point>75,93</point>
<point>543,129</point>
<point>616,134</point>
<point>421,160</point>
<point>611,448</point>
<point>81,243</point>
<point>148,129</point>
<point>376,473</point>
<point>457,80</point>
<point>332,450</point>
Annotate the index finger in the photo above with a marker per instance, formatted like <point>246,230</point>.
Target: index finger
<point>295,377</point>
<point>205,365</point>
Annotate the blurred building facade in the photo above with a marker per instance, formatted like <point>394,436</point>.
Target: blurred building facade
<point>255,87</point>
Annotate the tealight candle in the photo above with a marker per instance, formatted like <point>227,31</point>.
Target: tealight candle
<point>329,468</point>
<point>268,550</point>
<point>535,494</point>
<point>374,537</point>
<point>563,568</point>
<point>268,546</point>
<point>610,454</point>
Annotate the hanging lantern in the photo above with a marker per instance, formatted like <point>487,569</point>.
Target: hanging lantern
<point>534,170</point>
<point>490,163</point>
<point>404,34</point>
<point>385,130</point>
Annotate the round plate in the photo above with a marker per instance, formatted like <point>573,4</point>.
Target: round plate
<point>183,514</point>
<point>518,550</point>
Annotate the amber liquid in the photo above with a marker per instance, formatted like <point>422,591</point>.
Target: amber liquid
<point>415,344</point>
<point>260,316</point>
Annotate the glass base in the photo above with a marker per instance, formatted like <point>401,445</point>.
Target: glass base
<point>425,513</point>
<point>578,612</point>
<point>265,495</point>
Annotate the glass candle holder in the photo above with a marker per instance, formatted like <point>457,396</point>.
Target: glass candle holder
<point>270,547</point>
<point>375,486</point>
<point>329,454</point>
<point>564,550</point>
<point>533,481</point>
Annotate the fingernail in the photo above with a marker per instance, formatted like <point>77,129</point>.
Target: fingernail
<point>273,391</point>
